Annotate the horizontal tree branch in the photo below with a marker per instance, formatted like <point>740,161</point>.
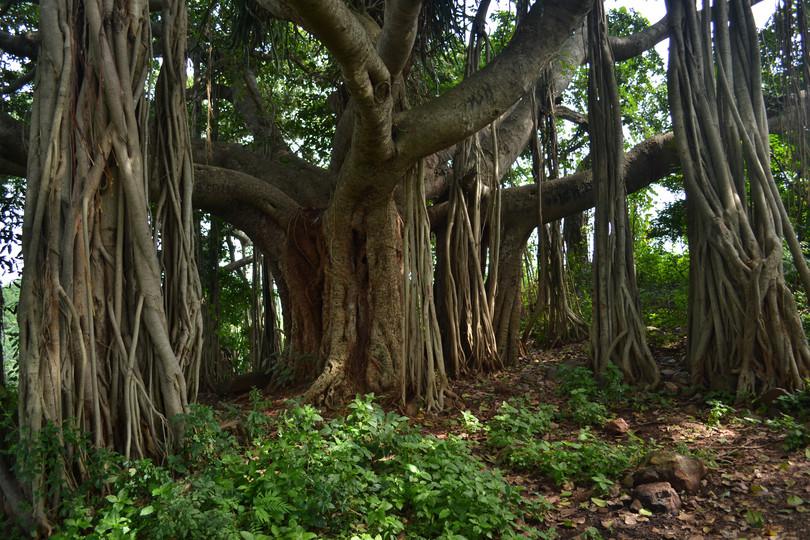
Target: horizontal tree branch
<point>22,45</point>
<point>575,117</point>
<point>235,265</point>
<point>308,185</point>
<point>217,189</point>
<point>13,147</point>
<point>647,162</point>
<point>631,46</point>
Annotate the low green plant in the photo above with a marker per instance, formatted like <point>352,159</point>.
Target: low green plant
<point>204,440</point>
<point>583,411</point>
<point>797,433</point>
<point>366,475</point>
<point>610,389</point>
<point>591,533</point>
<point>515,421</point>
<point>470,422</point>
<point>718,410</point>
<point>796,404</point>
<point>257,423</point>
<point>587,460</point>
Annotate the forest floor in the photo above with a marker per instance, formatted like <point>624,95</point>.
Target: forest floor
<point>754,487</point>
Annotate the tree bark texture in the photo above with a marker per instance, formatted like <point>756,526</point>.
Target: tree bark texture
<point>745,335</point>
<point>95,349</point>
<point>617,330</point>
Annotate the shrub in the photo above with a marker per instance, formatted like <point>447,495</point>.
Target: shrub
<point>367,475</point>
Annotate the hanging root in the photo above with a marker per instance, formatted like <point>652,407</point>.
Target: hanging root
<point>617,330</point>
<point>744,329</point>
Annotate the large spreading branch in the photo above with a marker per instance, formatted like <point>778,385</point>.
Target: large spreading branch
<point>646,163</point>
<point>21,45</point>
<point>398,34</point>
<point>364,72</point>
<point>218,189</point>
<point>485,96</point>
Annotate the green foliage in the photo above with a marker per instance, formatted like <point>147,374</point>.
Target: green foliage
<point>515,422</point>
<point>794,418</point>
<point>580,379</point>
<point>670,223</point>
<point>204,439</point>
<point>587,459</point>
<point>585,412</point>
<point>470,423</point>
<point>11,334</point>
<point>367,475</point>
<point>717,411</point>
<point>520,434</point>
<point>797,434</point>
<point>663,282</point>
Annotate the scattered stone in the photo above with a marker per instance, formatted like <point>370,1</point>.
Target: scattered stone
<point>682,472</point>
<point>617,426</point>
<point>668,372</point>
<point>636,505</point>
<point>629,480</point>
<point>658,497</point>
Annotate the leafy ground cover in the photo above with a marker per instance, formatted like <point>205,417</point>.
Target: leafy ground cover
<point>758,485</point>
<point>526,452</point>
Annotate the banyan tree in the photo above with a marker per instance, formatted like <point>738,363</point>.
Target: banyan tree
<point>398,253</point>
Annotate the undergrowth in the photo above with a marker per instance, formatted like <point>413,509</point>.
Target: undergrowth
<point>794,418</point>
<point>367,475</point>
<point>523,436</point>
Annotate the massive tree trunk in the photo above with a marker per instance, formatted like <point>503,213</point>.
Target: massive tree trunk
<point>617,330</point>
<point>360,249</point>
<point>745,335</point>
<point>95,349</point>
<point>361,338</point>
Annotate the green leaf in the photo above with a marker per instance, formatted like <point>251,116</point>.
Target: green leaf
<point>601,503</point>
<point>146,510</point>
<point>794,500</point>
<point>644,512</point>
<point>754,518</point>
